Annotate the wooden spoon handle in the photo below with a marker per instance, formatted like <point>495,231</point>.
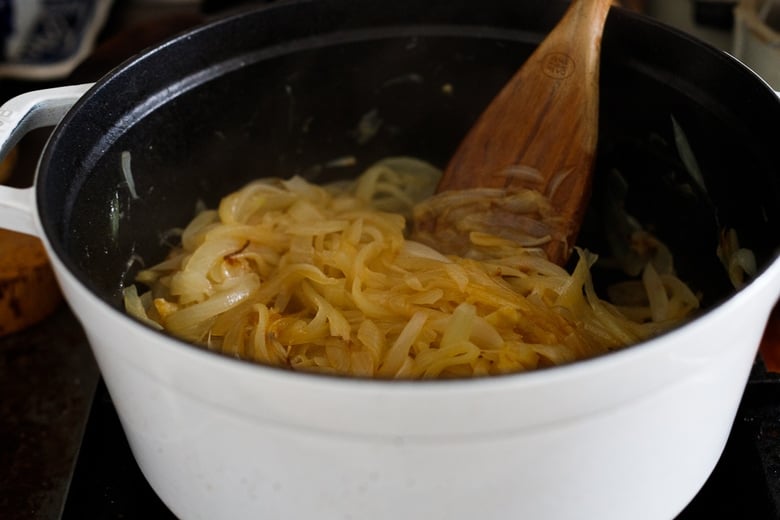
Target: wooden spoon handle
<point>541,131</point>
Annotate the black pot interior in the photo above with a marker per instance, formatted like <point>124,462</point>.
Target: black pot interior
<point>281,91</point>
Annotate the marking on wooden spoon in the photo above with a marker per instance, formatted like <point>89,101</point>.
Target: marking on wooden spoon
<point>558,65</point>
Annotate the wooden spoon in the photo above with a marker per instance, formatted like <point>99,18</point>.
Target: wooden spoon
<point>537,137</point>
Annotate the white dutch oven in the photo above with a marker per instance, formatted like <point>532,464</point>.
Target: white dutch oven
<point>633,434</point>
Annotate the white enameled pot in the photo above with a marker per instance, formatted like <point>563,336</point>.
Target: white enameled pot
<point>633,434</point>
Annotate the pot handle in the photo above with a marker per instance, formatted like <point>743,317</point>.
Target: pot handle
<point>18,116</point>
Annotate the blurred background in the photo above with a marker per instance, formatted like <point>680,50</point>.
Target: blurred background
<point>45,39</point>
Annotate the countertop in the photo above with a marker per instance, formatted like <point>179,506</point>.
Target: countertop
<point>47,380</point>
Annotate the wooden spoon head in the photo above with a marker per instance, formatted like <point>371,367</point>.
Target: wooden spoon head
<point>540,135</point>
